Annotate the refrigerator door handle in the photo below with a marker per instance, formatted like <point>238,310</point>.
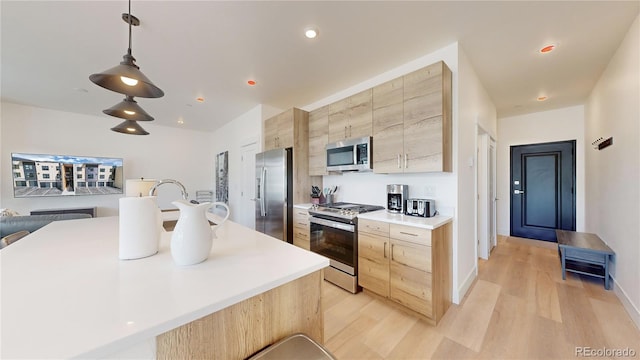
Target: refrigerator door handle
<point>284,223</point>
<point>263,195</point>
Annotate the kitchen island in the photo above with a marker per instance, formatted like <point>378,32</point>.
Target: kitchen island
<point>65,294</point>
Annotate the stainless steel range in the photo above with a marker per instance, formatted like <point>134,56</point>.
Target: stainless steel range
<point>334,235</point>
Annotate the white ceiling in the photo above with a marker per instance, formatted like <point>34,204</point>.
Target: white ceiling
<point>211,48</point>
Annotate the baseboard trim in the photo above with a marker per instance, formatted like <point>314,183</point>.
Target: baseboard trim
<point>628,305</point>
<point>466,285</point>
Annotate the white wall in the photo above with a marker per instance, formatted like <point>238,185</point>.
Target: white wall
<point>546,126</point>
<point>244,130</point>
<point>613,174</point>
<point>165,153</point>
<point>475,108</point>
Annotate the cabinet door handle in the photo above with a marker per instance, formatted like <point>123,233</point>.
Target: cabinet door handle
<point>399,161</point>
<point>350,131</point>
<point>406,233</point>
<point>392,251</point>
<point>385,250</point>
<point>405,161</point>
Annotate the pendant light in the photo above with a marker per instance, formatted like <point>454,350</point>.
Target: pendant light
<point>130,127</point>
<point>128,109</point>
<point>127,78</point>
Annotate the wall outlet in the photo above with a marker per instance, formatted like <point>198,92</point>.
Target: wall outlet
<point>430,191</point>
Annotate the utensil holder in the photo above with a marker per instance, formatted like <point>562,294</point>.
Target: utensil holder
<point>328,199</point>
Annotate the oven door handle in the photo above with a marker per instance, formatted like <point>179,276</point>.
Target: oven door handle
<point>332,224</point>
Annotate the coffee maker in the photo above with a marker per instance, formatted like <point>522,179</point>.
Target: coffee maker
<point>396,198</point>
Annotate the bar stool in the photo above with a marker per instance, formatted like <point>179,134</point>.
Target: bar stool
<point>296,346</point>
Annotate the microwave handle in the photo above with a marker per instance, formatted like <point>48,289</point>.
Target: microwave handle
<point>355,154</point>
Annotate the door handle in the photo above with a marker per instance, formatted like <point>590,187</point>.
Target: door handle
<point>517,192</point>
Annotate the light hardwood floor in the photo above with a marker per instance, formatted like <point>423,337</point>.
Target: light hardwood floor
<point>518,308</point>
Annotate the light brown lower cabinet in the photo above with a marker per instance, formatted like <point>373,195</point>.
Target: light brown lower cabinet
<point>408,265</point>
<point>301,229</point>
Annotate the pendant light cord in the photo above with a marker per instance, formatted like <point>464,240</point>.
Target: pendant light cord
<point>129,21</point>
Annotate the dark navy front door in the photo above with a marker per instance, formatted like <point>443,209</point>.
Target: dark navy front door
<point>543,189</point>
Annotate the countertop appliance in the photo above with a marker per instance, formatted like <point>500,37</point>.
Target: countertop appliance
<point>421,207</point>
<point>274,194</point>
<point>350,155</point>
<point>334,235</point>
<point>396,197</point>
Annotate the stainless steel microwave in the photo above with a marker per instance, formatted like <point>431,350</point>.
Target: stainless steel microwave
<point>350,155</point>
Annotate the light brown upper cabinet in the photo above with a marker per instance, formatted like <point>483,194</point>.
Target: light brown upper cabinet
<point>318,139</point>
<point>351,117</point>
<point>291,129</point>
<point>279,130</point>
<point>388,126</point>
<point>412,127</point>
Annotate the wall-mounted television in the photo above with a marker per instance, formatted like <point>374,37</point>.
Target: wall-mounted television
<point>65,175</point>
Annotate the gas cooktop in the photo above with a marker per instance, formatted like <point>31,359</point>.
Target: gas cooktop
<point>342,210</point>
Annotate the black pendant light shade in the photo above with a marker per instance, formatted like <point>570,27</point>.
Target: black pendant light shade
<point>128,109</point>
<point>114,79</point>
<point>130,127</point>
<point>127,78</point>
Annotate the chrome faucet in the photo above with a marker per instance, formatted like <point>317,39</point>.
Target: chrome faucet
<point>152,191</point>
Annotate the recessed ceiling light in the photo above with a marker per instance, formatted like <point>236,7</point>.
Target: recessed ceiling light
<point>547,49</point>
<point>251,82</point>
<point>180,121</point>
<point>200,99</point>
<point>542,98</point>
<point>311,33</point>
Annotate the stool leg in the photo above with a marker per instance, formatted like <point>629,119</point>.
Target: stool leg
<point>562,256</point>
<point>607,280</point>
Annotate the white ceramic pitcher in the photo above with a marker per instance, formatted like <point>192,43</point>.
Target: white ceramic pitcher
<point>193,235</point>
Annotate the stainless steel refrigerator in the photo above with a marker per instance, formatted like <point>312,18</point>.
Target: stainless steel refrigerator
<point>274,194</point>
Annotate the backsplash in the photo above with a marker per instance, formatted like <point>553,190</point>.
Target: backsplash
<point>370,188</point>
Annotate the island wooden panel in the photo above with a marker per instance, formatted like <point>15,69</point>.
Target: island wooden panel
<point>248,326</point>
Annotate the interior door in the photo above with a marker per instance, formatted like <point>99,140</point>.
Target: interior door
<point>246,215</point>
<point>493,233</point>
<point>542,189</point>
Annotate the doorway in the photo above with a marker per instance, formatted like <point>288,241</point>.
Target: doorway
<point>246,215</point>
<point>543,199</point>
<point>486,194</point>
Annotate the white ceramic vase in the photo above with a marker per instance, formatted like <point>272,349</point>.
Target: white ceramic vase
<point>193,235</point>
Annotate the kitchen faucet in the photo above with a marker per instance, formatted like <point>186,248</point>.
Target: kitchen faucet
<point>152,191</point>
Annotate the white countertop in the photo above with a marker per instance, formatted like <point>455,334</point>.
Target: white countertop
<point>66,294</point>
<point>421,222</point>
<point>306,206</point>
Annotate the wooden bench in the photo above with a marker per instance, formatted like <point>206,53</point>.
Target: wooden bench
<point>585,253</point>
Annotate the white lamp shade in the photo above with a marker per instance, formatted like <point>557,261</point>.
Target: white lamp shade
<point>139,187</point>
